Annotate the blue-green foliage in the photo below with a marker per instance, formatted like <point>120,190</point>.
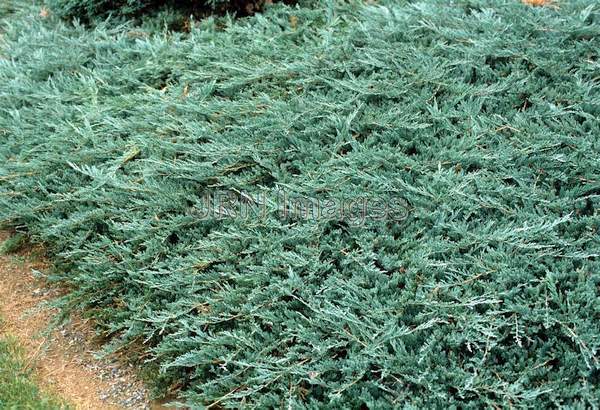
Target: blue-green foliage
<point>481,115</point>
<point>89,8</point>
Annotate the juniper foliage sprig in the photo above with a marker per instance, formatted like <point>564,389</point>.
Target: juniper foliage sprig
<point>481,115</point>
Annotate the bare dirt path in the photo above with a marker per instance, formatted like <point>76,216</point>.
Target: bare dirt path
<point>63,361</point>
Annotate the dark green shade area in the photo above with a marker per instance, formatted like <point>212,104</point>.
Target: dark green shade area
<point>88,10</point>
<point>481,115</point>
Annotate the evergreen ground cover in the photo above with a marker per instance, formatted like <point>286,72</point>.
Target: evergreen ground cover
<point>480,116</point>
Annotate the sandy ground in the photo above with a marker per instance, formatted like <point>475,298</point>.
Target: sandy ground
<point>63,360</point>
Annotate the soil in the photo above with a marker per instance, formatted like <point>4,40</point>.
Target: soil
<point>63,360</point>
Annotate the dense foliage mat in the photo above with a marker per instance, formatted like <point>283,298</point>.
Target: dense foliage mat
<point>480,116</point>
